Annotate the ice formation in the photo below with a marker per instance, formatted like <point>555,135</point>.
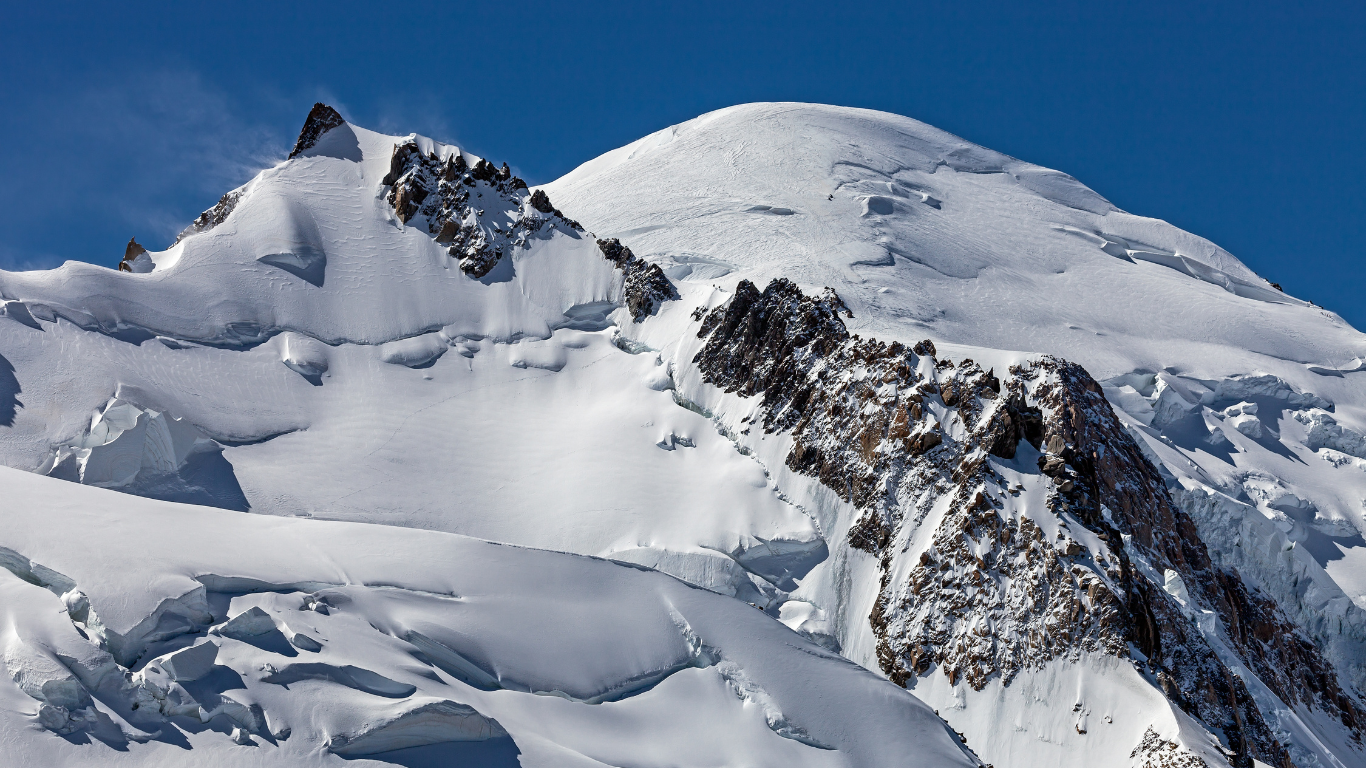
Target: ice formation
<point>795,426</point>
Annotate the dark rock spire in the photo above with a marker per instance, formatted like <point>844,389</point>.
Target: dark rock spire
<point>321,119</point>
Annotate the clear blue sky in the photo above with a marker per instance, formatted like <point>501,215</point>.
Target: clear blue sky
<point>1242,122</point>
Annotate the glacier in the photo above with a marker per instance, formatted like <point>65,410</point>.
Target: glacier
<point>788,435</point>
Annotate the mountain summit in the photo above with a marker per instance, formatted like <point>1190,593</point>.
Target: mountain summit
<point>320,120</point>
<point>775,390</point>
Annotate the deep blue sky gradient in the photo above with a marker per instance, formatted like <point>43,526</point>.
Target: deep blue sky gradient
<point>1242,122</point>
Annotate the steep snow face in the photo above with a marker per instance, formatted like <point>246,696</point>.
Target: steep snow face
<point>1250,401</point>
<point>925,234</point>
<point>391,330</point>
<point>313,642</point>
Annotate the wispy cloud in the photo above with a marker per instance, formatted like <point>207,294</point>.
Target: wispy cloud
<point>429,116</point>
<point>142,155</point>
<point>19,260</point>
<point>181,136</point>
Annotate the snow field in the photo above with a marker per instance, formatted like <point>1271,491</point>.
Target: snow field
<point>314,361</point>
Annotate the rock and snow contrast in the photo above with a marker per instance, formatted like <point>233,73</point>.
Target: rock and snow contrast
<point>790,435</point>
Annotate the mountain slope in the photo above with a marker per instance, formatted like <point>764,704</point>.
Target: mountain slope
<point>1248,400</point>
<point>948,414</point>
<point>388,330</point>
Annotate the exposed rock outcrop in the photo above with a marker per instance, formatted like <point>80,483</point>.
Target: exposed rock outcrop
<point>1280,654</point>
<point>541,202</point>
<point>646,286</point>
<point>320,120</point>
<point>1153,751</point>
<point>212,217</point>
<point>895,431</point>
<point>1115,477</point>
<point>135,258</point>
<point>480,212</point>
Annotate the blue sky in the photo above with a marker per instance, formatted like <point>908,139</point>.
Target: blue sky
<point>1244,123</point>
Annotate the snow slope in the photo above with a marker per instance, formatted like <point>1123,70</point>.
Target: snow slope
<point>311,351</point>
<point>928,234</point>
<point>372,433</point>
<point>925,235</point>
<point>301,352</point>
<point>367,639</point>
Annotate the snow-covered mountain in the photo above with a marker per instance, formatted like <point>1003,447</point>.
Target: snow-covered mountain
<point>1080,481</point>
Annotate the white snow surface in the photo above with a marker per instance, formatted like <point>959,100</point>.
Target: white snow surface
<point>928,235</point>
<point>575,658</point>
<point>1246,395</point>
<point>329,369</point>
<point>311,357</point>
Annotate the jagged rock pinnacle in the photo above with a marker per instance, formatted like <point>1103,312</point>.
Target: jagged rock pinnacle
<point>321,119</point>
<point>135,258</point>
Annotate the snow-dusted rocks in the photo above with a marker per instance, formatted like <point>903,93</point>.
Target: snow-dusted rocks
<point>992,590</point>
<point>214,216</point>
<point>646,285</point>
<point>478,212</point>
<point>320,120</point>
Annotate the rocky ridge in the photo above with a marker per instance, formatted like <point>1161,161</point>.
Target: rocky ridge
<point>988,593</point>
<point>320,120</point>
<point>212,217</point>
<point>480,212</point>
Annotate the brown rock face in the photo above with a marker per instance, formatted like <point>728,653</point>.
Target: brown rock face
<point>989,593</point>
<point>1113,475</point>
<point>130,255</point>
<point>320,120</point>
